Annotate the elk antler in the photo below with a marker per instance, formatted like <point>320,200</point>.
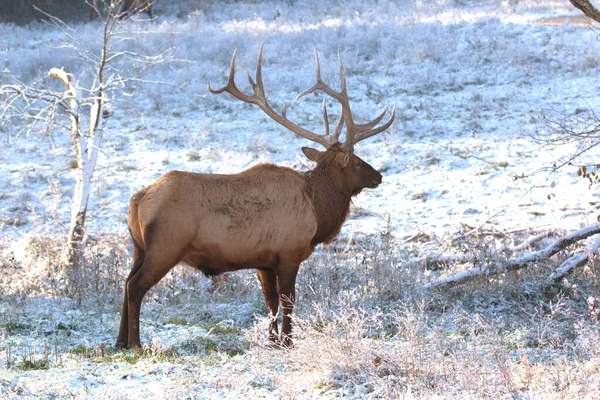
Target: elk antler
<point>259,99</point>
<point>354,132</point>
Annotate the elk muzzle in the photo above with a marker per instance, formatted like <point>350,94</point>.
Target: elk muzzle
<point>376,181</point>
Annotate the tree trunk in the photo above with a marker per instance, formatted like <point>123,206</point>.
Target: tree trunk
<point>78,212</point>
<point>587,8</point>
<point>86,149</point>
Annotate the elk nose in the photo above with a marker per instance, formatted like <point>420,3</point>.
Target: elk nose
<point>377,181</point>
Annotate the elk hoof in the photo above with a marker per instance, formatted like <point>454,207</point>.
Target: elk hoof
<point>274,340</point>
<point>286,342</point>
<point>123,346</point>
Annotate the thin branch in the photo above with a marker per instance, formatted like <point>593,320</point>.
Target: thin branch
<point>560,128</point>
<point>527,243</point>
<point>433,263</point>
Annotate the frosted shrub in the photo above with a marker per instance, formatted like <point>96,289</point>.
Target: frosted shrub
<point>196,18</point>
<point>260,144</point>
<point>34,266</point>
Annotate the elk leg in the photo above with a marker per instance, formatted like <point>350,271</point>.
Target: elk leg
<point>149,274</point>
<point>286,287</point>
<point>138,260</point>
<point>268,282</point>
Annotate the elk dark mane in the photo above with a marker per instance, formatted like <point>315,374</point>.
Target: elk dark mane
<point>330,196</point>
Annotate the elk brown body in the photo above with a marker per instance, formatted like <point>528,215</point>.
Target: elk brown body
<point>268,218</point>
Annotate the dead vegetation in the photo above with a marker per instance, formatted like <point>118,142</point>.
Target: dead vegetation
<point>366,326</point>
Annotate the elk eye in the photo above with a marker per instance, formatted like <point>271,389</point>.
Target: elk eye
<point>358,163</point>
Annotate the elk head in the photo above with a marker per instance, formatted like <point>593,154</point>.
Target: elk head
<point>355,173</point>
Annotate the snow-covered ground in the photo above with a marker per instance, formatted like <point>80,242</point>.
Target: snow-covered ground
<point>471,82</point>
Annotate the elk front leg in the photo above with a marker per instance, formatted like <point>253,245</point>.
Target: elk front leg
<point>124,326</point>
<point>286,288</point>
<point>268,282</point>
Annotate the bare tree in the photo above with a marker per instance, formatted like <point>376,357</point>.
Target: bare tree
<point>579,130</point>
<point>86,108</point>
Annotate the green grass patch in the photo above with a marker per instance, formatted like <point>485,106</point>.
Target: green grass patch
<point>217,328</point>
<point>15,327</point>
<point>133,356</point>
<point>177,321</point>
<point>31,364</point>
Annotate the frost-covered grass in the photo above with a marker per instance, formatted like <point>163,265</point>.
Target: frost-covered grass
<point>472,81</point>
<point>364,328</point>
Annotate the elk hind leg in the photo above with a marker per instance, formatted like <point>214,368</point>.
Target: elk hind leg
<point>150,273</point>
<point>268,281</point>
<point>138,261</point>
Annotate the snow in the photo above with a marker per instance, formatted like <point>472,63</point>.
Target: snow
<point>470,83</point>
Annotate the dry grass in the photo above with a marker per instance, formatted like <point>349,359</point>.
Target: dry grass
<point>364,326</point>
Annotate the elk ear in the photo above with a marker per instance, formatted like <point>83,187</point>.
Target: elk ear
<point>312,154</point>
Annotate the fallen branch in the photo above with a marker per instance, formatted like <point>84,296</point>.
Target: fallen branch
<point>523,261</point>
<point>575,261</point>
<point>527,243</point>
<point>433,263</point>
<point>440,261</point>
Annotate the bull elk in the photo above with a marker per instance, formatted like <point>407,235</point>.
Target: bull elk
<point>268,218</point>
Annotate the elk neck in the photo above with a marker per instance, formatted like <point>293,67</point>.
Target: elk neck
<point>331,198</point>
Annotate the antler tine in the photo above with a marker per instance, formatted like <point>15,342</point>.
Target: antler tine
<point>369,125</point>
<point>318,66</point>
<point>370,132</point>
<point>342,75</point>
<point>259,80</point>
<point>325,119</point>
<point>230,87</point>
<point>339,125</point>
<point>230,79</point>
<point>342,96</point>
<point>257,86</point>
<point>318,85</point>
